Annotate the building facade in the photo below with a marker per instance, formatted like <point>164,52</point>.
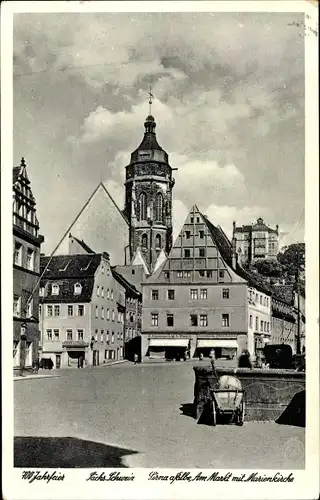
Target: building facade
<point>148,197</point>
<point>82,311</point>
<point>26,272</point>
<point>256,241</point>
<point>284,326</point>
<point>259,321</point>
<point>198,299</point>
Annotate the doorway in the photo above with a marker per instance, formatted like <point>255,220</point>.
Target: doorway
<point>58,361</point>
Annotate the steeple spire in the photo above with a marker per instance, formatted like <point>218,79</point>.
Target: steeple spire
<point>151,96</point>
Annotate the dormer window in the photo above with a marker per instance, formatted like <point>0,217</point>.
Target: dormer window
<point>158,241</point>
<point>41,291</point>
<point>77,289</point>
<point>55,289</point>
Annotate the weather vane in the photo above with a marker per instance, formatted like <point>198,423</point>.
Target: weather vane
<point>151,96</point>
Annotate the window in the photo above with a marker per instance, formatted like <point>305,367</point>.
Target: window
<point>70,310</point>
<point>187,235</point>
<point>98,291</point>
<point>203,293</point>
<point>158,241</point>
<point>179,274</point>
<point>202,252</point>
<point>167,274</point>
<point>55,289</point>
<point>201,234</point>
<point>257,297</point>
<point>191,220</point>
<point>198,219</point>
<point>97,311</point>
<point>225,293</point>
<point>209,274</point>
<point>261,299</point>
<point>80,334</point>
<point>56,334</point>
<point>144,241</point>
<point>18,254</point>
<point>30,259</point>
<point>102,292</point>
<point>261,326</point>
<point>133,271</point>
<point>102,312</point>
<point>101,336</point>
<point>170,294</point>
<point>257,323</point>
<point>108,293</point>
<point>203,320</point>
<point>30,309</point>
<point>102,269</point>
<point>77,289</point>
<point>111,294</point>
<point>112,338</point>
<point>154,319</point>
<point>186,274</point>
<point>143,206</point>
<point>225,320</point>
<point>112,315</point>
<point>155,294</point>
<point>268,326</point>
<point>106,354</point>
<point>201,274</point>
<point>49,334</point>
<point>57,310</point>
<point>69,334</point>
<point>187,252</point>
<point>193,320</point>
<point>108,314</point>
<point>159,207</point>
<point>250,321</point>
<point>16,305</point>
<point>193,294</point>
<point>221,273</point>
<point>41,291</point>
<point>49,311</point>
<point>170,320</point>
<point>107,336</point>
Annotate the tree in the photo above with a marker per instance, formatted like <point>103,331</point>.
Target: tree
<point>293,258</point>
<point>268,267</point>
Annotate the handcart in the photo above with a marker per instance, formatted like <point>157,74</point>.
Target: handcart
<point>228,402</point>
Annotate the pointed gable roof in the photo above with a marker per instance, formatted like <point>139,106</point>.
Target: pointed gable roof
<point>138,260</point>
<point>85,247</point>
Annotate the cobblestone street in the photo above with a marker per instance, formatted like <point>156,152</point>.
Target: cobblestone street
<point>137,416</point>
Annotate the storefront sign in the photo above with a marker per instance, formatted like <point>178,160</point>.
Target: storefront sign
<point>169,336</point>
<point>75,343</point>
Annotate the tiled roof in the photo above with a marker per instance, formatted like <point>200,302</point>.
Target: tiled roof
<point>70,266</point>
<point>83,244</point>
<point>128,286</point>
<point>15,174</point>
<point>284,293</point>
<point>66,289</point>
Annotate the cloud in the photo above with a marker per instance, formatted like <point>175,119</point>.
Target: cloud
<point>229,108</point>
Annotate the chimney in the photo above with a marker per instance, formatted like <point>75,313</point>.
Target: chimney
<point>277,228</point>
<point>234,253</point>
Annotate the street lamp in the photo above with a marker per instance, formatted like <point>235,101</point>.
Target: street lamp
<point>23,338</point>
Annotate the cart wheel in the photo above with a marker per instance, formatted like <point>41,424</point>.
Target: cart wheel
<point>240,414</point>
<point>214,413</point>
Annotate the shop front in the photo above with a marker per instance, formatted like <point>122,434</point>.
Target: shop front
<point>168,348</point>
<point>76,354</point>
<point>223,348</point>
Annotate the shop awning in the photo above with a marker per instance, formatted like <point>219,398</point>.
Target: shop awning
<point>227,343</point>
<point>168,342</point>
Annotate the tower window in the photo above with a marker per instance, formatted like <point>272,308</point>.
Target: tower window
<point>143,206</point>
<point>187,252</point>
<point>159,207</point>
<point>158,241</point>
<point>144,241</point>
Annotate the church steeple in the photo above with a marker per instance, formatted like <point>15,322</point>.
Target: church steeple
<point>148,201</point>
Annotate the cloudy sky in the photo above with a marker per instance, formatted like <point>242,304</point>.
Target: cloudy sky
<point>229,107</point>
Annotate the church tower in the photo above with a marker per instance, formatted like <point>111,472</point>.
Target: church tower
<point>148,197</point>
